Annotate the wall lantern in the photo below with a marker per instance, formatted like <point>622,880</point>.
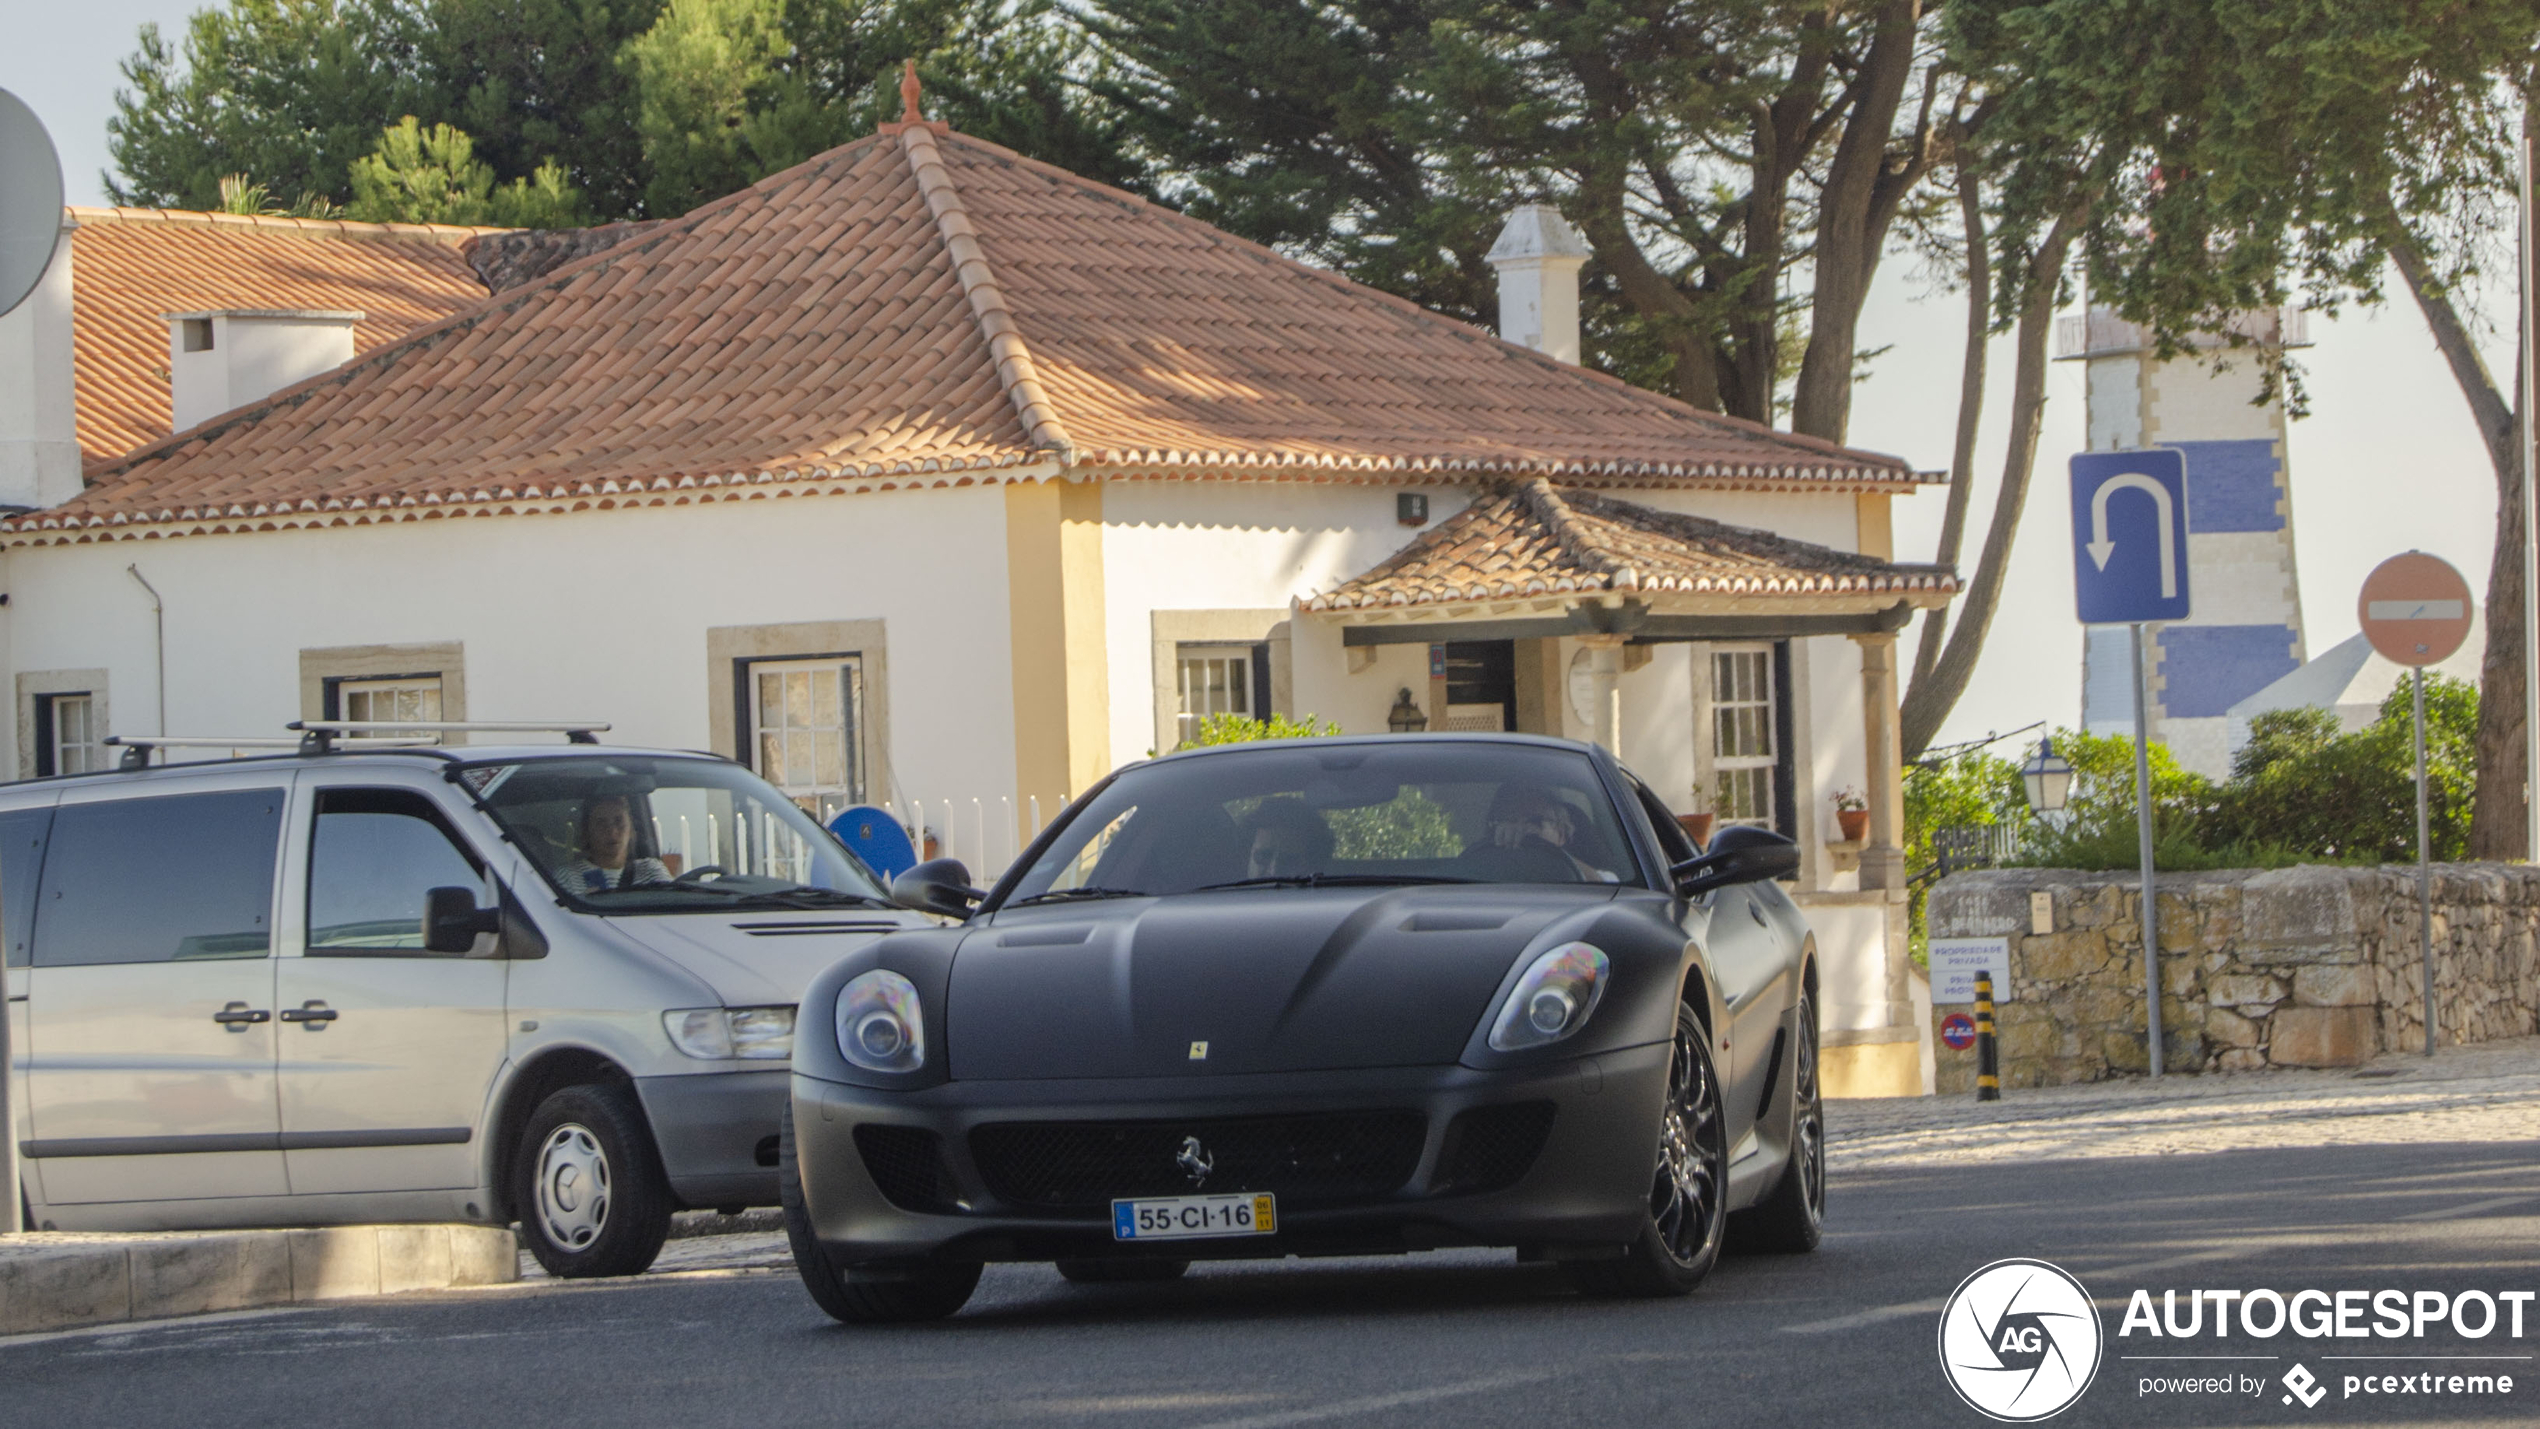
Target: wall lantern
<point>1405,717</point>
<point>2049,777</point>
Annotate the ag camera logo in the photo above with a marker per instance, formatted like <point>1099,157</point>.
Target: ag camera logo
<point>2019,1341</point>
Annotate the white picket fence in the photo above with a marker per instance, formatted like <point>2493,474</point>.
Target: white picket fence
<point>985,834</point>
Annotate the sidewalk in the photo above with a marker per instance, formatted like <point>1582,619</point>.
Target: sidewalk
<point>51,1280</point>
<point>2488,1092</point>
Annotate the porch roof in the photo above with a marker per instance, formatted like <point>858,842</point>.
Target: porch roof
<point>1531,552</point>
<point>918,308</point>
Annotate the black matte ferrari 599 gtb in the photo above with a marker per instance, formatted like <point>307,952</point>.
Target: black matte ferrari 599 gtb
<point>1319,997</point>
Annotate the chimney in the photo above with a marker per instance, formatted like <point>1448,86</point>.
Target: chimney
<point>229,357</point>
<point>1538,256</point>
<point>39,414</point>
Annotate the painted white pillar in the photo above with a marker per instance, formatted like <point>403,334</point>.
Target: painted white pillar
<point>1883,856</point>
<point>39,414</point>
<point>1605,682</point>
<point>1538,256</point>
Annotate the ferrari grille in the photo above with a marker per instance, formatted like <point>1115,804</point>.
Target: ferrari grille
<point>1490,1148</point>
<point>1320,1160</point>
<point>907,1163</point>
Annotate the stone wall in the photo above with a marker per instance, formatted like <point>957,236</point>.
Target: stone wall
<point>2315,966</point>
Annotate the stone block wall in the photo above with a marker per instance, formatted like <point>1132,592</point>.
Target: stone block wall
<point>2316,966</point>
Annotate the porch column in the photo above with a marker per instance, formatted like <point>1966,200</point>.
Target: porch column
<point>1883,857</point>
<point>1605,672</point>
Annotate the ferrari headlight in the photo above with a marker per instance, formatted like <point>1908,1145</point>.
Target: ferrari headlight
<point>715,1034</point>
<point>1553,999</point>
<point>880,1027</point>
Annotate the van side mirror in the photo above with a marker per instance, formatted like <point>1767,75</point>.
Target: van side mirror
<point>451,920</point>
<point>1738,854</point>
<point>940,886</point>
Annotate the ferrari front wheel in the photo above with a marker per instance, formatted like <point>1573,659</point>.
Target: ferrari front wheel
<point>1680,1236</point>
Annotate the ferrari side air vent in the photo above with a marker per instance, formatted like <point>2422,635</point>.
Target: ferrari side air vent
<point>1491,1148</point>
<point>907,1163</point>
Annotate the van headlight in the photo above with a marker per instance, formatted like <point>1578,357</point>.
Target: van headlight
<point>1553,999</point>
<point>716,1034</point>
<point>880,1027</point>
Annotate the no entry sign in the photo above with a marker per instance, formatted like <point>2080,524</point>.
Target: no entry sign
<point>1958,1030</point>
<point>2415,609</point>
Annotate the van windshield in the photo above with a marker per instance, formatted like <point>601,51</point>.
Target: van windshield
<point>634,835</point>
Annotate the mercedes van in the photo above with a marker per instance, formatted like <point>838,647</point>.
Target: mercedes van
<point>551,984</point>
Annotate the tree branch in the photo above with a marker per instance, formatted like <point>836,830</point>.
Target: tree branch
<point>1962,454</point>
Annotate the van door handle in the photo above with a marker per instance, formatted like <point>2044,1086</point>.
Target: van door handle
<point>238,1017</point>
<point>316,1014</point>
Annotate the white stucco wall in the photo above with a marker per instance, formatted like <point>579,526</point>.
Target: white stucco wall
<point>1230,545</point>
<point>1831,519</point>
<point>598,615</point>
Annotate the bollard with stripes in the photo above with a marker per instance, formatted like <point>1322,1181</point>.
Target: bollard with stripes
<point>1988,1052</point>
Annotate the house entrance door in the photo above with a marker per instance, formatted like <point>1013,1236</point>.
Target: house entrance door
<point>1481,685</point>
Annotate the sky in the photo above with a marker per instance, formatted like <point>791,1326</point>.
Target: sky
<point>2388,461</point>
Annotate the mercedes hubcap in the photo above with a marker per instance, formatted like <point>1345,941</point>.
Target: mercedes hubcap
<point>1685,1199</point>
<point>573,1187</point>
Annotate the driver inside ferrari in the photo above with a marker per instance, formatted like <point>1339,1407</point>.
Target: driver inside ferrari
<point>608,838</point>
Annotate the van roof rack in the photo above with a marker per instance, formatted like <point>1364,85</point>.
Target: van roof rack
<point>136,747</point>
<point>318,735</point>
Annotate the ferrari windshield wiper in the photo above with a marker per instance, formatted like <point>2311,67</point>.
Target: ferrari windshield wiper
<point>1333,880</point>
<point>1057,895</point>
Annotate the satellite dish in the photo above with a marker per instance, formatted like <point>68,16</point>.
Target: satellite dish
<point>875,836</point>
<point>30,200</point>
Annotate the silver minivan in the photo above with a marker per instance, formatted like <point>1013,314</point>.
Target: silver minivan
<point>551,984</point>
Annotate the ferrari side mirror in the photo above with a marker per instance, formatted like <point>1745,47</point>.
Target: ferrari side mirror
<point>940,886</point>
<point>1738,854</point>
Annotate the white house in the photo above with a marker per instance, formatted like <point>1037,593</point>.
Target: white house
<point>925,474</point>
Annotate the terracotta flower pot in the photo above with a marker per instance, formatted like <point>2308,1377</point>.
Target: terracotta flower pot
<point>1697,827</point>
<point>1855,822</point>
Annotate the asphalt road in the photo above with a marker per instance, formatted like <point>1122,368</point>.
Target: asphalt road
<point>1846,1336</point>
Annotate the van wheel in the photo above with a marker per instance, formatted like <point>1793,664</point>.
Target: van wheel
<point>588,1185</point>
<point>868,1297</point>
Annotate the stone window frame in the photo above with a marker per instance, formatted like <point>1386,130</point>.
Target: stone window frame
<point>732,649</point>
<point>1170,630</point>
<point>33,683</point>
<point>323,667</point>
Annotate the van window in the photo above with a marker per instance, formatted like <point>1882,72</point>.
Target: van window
<point>179,877</point>
<point>21,862</point>
<point>373,855</point>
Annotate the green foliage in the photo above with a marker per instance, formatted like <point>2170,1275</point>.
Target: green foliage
<point>1971,789</point>
<point>420,175</point>
<point>285,92</point>
<point>1410,825</point>
<point>1244,729</point>
<point>2300,784</point>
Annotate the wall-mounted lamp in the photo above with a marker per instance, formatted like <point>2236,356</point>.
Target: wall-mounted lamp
<point>1405,717</point>
<point>1411,508</point>
<point>2048,777</point>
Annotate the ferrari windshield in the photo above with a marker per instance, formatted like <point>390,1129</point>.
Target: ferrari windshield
<point>627,834</point>
<point>1301,815</point>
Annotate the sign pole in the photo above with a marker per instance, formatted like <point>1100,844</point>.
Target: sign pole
<point>2143,836</point>
<point>2527,403</point>
<point>2425,873</point>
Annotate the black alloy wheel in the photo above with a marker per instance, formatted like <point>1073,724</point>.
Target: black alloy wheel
<point>854,1296</point>
<point>1792,1219</point>
<point>1688,1195</point>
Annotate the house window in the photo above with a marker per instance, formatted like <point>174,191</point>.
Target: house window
<point>384,699</point>
<point>805,718</point>
<point>1745,736</point>
<point>1219,679</point>
<point>66,734</point>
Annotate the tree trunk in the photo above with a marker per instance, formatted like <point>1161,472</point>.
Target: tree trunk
<point>1932,697</point>
<point>1962,455</point>
<point>1851,229</point>
<point>2497,827</point>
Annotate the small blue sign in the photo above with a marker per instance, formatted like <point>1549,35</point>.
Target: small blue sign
<point>877,838</point>
<point>2130,536</point>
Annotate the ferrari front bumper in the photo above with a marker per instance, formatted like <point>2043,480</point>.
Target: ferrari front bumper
<point>1585,1188</point>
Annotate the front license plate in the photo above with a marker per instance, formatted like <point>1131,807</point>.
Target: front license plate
<point>1189,1217</point>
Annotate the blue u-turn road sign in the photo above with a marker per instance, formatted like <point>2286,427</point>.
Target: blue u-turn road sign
<point>2130,536</point>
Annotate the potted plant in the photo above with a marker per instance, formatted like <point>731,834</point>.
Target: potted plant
<point>1697,827</point>
<point>1852,811</point>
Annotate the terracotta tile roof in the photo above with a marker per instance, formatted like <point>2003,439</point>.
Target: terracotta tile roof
<point>919,307</point>
<point>1533,538</point>
<point>132,266</point>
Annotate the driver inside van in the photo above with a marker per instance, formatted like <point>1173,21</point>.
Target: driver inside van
<point>608,837</point>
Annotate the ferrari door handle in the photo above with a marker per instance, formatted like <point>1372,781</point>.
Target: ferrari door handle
<point>238,1016</point>
<point>316,1014</point>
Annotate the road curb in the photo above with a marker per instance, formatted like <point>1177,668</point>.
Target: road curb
<point>55,1281</point>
